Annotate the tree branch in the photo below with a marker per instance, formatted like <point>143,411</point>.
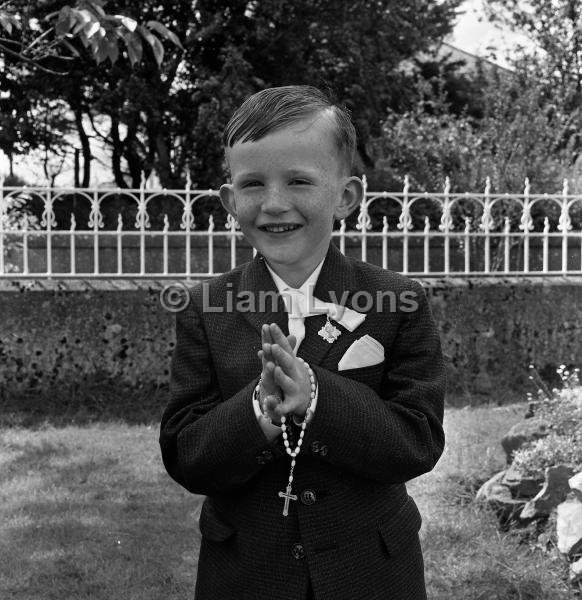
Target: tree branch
<point>29,61</point>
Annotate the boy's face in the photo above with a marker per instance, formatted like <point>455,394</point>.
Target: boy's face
<point>287,188</point>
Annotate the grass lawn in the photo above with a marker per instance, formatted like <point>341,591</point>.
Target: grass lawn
<point>89,513</point>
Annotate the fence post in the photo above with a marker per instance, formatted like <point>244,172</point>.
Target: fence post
<point>187,224</point>
<point>506,232</point>
<point>119,244</point>
<point>2,224</point>
<point>546,240</point>
<point>467,245</point>
<point>486,224</point>
<point>48,220</point>
<point>526,225</point>
<point>165,241</point>
<point>232,225</point>
<point>405,223</point>
<point>426,251</point>
<point>364,222</point>
<point>384,242</point>
<point>142,221</point>
<point>72,244</point>
<point>25,265</point>
<point>342,236</point>
<point>565,225</point>
<point>446,225</point>
<point>95,221</point>
<point>210,245</point>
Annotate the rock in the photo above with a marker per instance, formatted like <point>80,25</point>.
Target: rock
<point>498,496</point>
<point>575,484</point>
<point>553,492</point>
<point>569,527</point>
<point>522,432</point>
<point>521,487</point>
<point>494,490</point>
<point>576,571</point>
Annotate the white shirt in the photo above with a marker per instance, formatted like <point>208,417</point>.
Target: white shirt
<point>298,301</point>
<point>304,295</point>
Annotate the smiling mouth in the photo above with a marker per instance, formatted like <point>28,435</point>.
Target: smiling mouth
<point>279,228</point>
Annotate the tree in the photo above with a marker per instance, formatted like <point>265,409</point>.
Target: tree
<point>43,42</point>
<point>518,135</point>
<point>354,49</point>
<point>37,36</point>
<point>554,28</point>
<point>169,117</point>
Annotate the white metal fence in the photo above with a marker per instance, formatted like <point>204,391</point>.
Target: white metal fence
<point>151,233</point>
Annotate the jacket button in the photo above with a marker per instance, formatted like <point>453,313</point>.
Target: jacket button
<point>264,457</point>
<point>308,497</point>
<point>297,551</point>
<point>315,447</point>
<point>323,450</point>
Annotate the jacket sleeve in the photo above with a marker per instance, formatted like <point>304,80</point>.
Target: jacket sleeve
<point>209,444</point>
<point>396,434</point>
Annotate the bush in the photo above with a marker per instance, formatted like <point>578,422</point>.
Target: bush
<point>561,410</point>
<point>553,450</point>
<point>17,215</point>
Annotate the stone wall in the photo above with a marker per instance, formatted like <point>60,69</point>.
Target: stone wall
<point>64,332</point>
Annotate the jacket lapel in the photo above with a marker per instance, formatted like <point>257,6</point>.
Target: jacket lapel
<point>336,283</point>
<point>266,306</point>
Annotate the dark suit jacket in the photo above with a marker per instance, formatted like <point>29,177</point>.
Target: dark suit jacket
<point>354,530</point>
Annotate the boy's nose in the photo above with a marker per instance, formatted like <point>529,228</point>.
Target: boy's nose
<point>275,201</point>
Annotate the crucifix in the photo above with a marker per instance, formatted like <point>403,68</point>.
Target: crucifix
<point>288,496</point>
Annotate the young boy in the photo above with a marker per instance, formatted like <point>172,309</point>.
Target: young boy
<point>306,388</point>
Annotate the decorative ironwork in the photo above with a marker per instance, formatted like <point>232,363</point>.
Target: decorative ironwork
<point>489,242</point>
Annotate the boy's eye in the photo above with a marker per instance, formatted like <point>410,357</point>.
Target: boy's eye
<point>299,181</point>
<point>253,183</point>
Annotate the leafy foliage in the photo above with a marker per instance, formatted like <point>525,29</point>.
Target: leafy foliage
<point>33,40</point>
<point>520,134</point>
<point>169,116</point>
<point>561,410</point>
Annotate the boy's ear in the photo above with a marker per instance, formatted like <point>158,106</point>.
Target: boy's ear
<point>227,198</point>
<point>352,196</point>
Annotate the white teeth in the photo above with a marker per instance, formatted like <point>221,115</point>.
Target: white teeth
<point>279,228</point>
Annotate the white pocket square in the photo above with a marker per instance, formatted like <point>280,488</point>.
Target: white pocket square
<point>364,352</point>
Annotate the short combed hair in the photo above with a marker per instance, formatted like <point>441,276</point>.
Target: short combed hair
<point>276,108</point>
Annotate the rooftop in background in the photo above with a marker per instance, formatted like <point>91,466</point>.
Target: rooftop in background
<point>471,61</point>
<point>477,37</point>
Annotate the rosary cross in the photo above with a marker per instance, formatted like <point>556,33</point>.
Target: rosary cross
<point>288,496</point>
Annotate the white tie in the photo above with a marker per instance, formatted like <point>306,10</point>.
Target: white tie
<point>298,306</point>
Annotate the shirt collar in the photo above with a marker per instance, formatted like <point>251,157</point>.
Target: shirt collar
<point>307,287</point>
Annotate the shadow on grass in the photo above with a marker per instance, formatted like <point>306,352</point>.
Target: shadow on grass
<point>87,521</point>
<point>91,401</point>
<point>99,399</point>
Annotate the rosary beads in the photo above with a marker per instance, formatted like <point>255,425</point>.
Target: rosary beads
<point>287,494</point>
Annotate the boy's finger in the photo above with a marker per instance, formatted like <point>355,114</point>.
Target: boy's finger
<point>268,380</point>
<point>284,381</point>
<point>279,338</point>
<point>267,349</point>
<point>289,406</point>
<point>266,337</point>
<point>285,360</point>
<point>272,401</point>
<point>263,357</point>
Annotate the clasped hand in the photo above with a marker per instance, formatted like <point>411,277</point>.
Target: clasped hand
<point>285,386</point>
